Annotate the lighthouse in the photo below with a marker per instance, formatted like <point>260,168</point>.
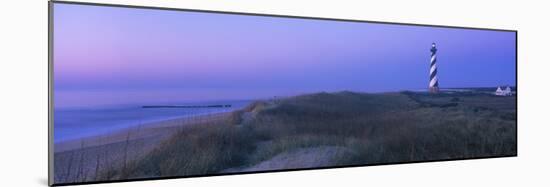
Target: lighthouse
<point>434,83</point>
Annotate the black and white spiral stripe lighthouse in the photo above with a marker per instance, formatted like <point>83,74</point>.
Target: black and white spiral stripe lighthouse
<point>434,83</point>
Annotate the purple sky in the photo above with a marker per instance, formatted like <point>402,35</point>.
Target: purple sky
<point>108,55</point>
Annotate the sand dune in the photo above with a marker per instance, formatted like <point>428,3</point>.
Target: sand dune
<point>84,159</point>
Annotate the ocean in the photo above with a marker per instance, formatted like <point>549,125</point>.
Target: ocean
<point>80,122</point>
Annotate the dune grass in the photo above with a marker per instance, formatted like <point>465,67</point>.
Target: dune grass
<point>375,128</point>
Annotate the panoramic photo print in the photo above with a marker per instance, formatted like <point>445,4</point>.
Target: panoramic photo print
<point>148,93</point>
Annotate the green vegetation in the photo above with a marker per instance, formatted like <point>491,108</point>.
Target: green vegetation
<point>365,129</point>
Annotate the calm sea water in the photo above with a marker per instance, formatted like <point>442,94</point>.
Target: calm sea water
<point>75,123</point>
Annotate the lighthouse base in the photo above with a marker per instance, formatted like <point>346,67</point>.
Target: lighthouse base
<point>434,89</point>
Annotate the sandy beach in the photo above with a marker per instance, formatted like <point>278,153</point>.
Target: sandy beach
<point>153,130</point>
<point>86,158</point>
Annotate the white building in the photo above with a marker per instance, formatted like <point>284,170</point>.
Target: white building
<point>506,92</point>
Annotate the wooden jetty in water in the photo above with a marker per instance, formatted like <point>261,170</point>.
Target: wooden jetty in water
<point>186,106</point>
